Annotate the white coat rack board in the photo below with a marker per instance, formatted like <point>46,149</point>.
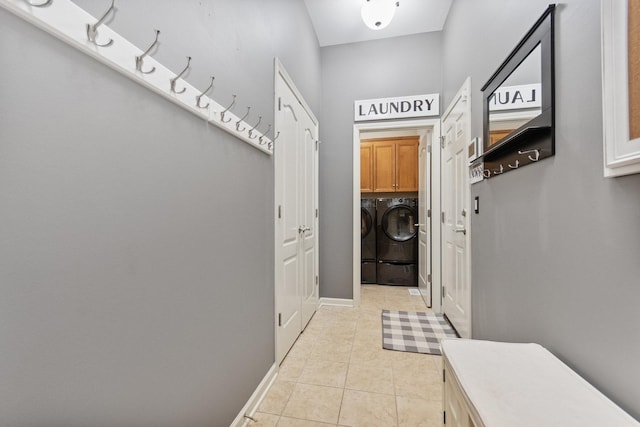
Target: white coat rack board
<point>71,24</point>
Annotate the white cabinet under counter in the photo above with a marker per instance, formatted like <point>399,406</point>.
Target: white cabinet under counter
<point>494,384</point>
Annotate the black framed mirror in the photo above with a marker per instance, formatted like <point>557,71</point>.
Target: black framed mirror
<point>518,103</point>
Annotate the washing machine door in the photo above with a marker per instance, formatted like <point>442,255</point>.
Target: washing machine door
<point>397,235</point>
<point>366,223</point>
<point>399,223</point>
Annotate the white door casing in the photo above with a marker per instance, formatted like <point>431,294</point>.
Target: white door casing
<point>424,228</point>
<point>456,280</point>
<point>432,127</point>
<point>309,219</point>
<point>296,200</point>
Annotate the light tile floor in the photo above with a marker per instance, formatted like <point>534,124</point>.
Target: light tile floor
<point>338,374</point>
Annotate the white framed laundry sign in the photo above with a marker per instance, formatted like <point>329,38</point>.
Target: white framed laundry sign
<point>397,108</point>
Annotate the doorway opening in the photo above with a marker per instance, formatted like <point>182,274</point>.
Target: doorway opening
<point>428,262</point>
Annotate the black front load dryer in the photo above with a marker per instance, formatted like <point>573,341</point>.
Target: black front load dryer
<point>397,230</point>
<point>397,241</point>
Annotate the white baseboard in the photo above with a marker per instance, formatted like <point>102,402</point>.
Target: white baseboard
<point>256,398</point>
<point>336,302</point>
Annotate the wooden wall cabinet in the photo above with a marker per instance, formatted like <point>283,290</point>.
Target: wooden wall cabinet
<point>384,167</point>
<point>366,167</point>
<point>407,165</point>
<point>389,165</point>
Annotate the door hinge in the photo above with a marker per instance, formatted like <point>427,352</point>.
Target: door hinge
<point>442,217</point>
<point>317,144</point>
<point>279,104</point>
<point>443,293</point>
<point>428,213</point>
<point>316,213</point>
<point>429,148</point>
<point>443,380</point>
<point>279,211</point>
<point>442,141</point>
<point>317,280</point>
<point>444,417</point>
<point>279,319</point>
<point>428,278</point>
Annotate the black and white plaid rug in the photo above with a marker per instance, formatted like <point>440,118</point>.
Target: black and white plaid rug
<point>414,331</point>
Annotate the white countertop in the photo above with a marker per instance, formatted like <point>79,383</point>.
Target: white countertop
<point>524,385</point>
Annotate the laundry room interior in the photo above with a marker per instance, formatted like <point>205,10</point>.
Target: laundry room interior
<point>244,213</point>
<point>389,216</point>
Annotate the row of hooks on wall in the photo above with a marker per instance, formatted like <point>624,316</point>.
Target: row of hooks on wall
<point>515,164</point>
<point>107,46</point>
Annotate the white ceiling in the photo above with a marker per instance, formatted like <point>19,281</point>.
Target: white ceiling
<point>339,21</point>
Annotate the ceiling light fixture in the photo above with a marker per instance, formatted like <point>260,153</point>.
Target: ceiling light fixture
<point>377,14</point>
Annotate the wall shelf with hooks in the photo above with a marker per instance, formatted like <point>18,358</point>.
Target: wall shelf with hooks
<point>518,103</point>
<point>523,138</point>
<point>68,22</point>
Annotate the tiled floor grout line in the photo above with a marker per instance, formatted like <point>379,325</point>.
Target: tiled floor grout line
<point>395,394</point>
<point>287,400</point>
<point>345,380</point>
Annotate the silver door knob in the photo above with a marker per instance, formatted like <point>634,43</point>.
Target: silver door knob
<point>461,230</point>
<point>302,229</point>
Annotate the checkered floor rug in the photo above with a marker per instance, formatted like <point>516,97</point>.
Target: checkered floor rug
<point>414,331</point>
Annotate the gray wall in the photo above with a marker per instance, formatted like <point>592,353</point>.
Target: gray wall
<point>136,241</point>
<point>555,247</point>
<point>393,67</point>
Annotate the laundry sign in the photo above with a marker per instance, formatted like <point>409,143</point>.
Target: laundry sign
<point>397,108</point>
<point>516,97</point>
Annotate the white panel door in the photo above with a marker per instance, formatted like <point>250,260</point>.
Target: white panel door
<point>424,228</point>
<point>287,269</point>
<point>456,281</point>
<point>309,220</point>
<point>296,200</point>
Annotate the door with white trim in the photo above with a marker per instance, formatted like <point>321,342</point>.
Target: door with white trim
<point>309,218</point>
<point>424,228</point>
<point>296,201</point>
<point>456,281</point>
